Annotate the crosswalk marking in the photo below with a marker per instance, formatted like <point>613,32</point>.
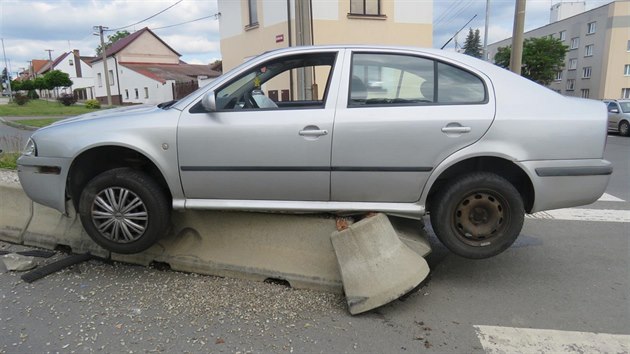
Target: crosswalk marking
<point>607,215</point>
<point>609,198</point>
<point>496,339</point>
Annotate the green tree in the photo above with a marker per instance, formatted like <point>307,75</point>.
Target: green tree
<point>111,40</point>
<point>542,58</point>
<point>57,78</point>
<point>472,45</point>
<point>16,85</point>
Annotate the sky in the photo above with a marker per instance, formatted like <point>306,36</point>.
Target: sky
<point>28,27</point>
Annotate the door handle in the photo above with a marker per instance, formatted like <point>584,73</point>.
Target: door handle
<point>313,132</point>
<point>456,130</point>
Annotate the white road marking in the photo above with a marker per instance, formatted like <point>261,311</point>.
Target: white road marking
<point>607,215</point>
<point>609,198</point>
<point>526,340</point>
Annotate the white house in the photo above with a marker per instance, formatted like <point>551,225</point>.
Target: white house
<point>142,68</point>
<point>78,69</point>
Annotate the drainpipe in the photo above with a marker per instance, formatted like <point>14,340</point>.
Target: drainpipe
<point>289,38</point>
<point>118,79</point>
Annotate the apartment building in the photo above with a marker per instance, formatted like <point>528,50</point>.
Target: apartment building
<point>597,64</point>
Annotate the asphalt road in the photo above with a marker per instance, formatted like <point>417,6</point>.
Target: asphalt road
<point>561,275</point>
<point>12,139</point>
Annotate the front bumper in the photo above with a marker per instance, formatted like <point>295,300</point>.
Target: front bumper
<point>44,180</point>
<point>567,183</point>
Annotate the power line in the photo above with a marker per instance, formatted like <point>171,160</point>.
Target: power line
<point>146,19</point>
<point>216,16</point>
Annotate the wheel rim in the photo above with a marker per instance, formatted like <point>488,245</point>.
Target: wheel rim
<point>480,217</point>
<point>119,215</point>
<point>623,128</point>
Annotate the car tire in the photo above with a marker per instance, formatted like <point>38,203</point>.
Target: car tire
<point>124,210</point>
<point>624,128</point>
<point>478,215</point>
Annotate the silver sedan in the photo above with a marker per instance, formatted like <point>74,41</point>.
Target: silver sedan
<point>307,130</point>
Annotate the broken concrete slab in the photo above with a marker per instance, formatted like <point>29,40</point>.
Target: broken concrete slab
<point>255,246</point>
<point>19,263</point>
<point>376,266</point>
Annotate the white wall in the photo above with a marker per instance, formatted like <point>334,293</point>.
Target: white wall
<point>98,67</point>
<point>85,81</point>
<point>132,81</point>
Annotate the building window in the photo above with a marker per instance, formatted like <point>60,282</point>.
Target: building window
<point>570,85</point>
<point>137,96</point>
<point>591,28</point>
<point>586,72</point>
<point>99,78</point>
<point>563,35</point>
<point>111,78</point>
<point>575,43</point>
<point>365,7</point>
<point>626,70</point>
<point>146,92</point>
<point>625,93</point>
<point>559,75</point>
<point>588,50</point>
<point>253,13</point>
<point>585,93</point>
<point>126,94</point>
<point>70,62</point>
<point>572,64</point>
<point>628,47</point>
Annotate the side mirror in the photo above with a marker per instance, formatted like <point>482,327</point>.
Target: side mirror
<point>614,110</point>
<point>209,102</point>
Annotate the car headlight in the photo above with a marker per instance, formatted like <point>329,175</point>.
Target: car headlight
<point>30,149</point>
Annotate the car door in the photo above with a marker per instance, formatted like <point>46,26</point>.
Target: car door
<point>396,125</point>
<point>255,148</point>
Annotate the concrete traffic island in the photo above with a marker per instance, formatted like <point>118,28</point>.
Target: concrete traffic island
<point>374,261</point>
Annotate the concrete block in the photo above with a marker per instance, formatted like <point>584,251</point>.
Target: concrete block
<point>376,266</point>
<point>15,211</point>
<point>49,229</point>
<point>255,246</point>
<point>412,233</point>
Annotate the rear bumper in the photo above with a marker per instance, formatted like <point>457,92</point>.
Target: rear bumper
<point>44,180</point>
<point>567,183</point>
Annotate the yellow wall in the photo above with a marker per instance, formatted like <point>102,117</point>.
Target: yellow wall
<point>617,55</point>
<point>136,51</point>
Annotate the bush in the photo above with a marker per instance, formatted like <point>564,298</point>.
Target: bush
<point>92,104</point>
<point>67,99</point>
<point>32,94</point>
<point>21,99</point>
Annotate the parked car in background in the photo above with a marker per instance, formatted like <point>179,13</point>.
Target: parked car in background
<point>468,142</point>
<point>619,116</point>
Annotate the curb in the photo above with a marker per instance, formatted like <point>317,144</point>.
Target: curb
<point>17,125</point>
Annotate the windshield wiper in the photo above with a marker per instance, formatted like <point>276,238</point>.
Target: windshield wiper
<point>167,104</point>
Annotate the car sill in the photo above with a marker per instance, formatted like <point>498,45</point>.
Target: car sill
<point>409,210</point>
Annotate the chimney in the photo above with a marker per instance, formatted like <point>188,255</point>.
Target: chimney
<point>77,61</point>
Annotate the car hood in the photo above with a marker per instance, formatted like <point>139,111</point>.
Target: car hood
<point>128,111</point>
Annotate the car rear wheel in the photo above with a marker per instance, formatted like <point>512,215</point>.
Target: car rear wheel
<point>124,210</point>
<point>477,215</point>
<point>624,128</point>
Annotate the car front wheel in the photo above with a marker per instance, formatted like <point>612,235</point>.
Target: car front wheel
<point>624,128</point>
<point>477,215</point>
<point>124,210</point>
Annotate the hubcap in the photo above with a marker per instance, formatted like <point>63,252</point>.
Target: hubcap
<point>479,217</point>
<point>119,215</point>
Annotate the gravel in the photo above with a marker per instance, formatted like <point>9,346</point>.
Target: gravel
<point>97,305</point>
<point>9,177</point>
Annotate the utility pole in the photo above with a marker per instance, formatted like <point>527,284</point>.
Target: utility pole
<point>104,56</point>
<point>6,67</point>
<point>50,58</point>
<point>516,58</point>
<point>485,34</point>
